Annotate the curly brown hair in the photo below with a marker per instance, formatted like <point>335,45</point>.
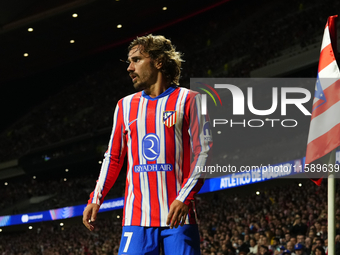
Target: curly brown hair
<point>161,49</point>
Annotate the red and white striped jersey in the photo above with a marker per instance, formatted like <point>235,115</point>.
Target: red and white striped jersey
<point>165,138</point>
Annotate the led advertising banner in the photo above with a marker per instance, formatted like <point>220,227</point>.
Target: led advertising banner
<point>57,214</point>
<point>246,175</point>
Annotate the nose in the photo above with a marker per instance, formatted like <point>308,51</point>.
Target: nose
<point>131,67</point>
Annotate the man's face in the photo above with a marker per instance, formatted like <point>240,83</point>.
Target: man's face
<point>293,240</point>
<point>290,246</point>
<point>298,252</point>
<point>262,250</point>
<point>141,68</point>
<point>318,252</point>
<point>301,239</point>
<point>317,225</point>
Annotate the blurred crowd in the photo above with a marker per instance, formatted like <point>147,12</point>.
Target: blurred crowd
<point>229,41</point>
<point>51,193</point>
<point>289,220</point>
<point>51,239</point>
<point>21,189</point>
<point>284,220</point>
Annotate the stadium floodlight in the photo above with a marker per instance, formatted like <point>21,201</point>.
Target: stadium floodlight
<point>119,26</point>
<point>25,54</point>
<point>30,29</point>
<point>165,8</point>
<point>71,41</point>
<point>74,15</point>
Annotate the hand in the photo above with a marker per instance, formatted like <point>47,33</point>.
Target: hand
<point>90,215</point>
<point>177,214</point>
<point>314,247</point>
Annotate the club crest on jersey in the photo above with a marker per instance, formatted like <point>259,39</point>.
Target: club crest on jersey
<point>169,118</point>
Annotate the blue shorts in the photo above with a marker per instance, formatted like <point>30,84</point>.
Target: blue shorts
<point>148,240</point>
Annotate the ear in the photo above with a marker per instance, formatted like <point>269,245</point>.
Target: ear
<point>158,64</point>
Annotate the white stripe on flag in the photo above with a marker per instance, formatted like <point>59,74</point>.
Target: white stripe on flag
<point>326,38</point>
<point>330,71</point>
<point>328,119</point>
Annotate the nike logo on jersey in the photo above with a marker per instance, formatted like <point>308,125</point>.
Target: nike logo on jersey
<point>132,122</point>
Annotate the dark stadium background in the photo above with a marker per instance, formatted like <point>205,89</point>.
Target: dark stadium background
<point>198,28</point>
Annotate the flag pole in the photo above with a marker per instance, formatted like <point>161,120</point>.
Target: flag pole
<point>331,206</point>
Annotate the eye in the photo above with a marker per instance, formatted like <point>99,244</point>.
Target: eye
<point>136,59</point>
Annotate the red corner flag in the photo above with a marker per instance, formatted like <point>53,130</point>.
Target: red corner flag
<point>324,130</point>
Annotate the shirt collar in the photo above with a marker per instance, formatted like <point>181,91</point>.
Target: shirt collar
<point>168,91</point>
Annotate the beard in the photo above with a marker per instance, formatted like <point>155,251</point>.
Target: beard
<point>139,86</point>
<point>145,79</point>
